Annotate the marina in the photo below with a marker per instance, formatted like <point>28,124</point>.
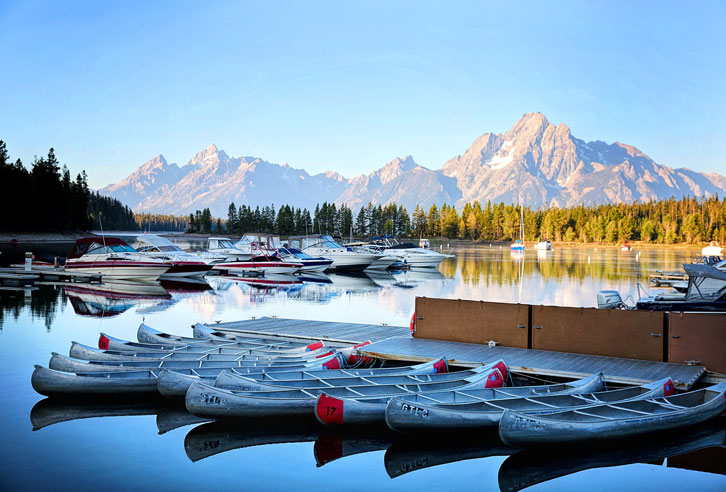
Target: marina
<point>322,313</point>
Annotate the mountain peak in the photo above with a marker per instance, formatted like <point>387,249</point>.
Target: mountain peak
<point>210,155</point>
<point>158,162</point>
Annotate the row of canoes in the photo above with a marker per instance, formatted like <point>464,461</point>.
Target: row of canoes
<point>403,454</point>
<point>222,376</point>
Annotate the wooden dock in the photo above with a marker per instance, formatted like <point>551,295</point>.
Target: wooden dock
<point>395,342</point>
<point>20,276</point>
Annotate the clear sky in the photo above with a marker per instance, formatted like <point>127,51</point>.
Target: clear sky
<point>349,86</point>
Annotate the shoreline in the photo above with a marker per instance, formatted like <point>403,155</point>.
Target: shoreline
<point>49,237</point>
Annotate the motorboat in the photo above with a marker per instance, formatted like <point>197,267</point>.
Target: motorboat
<point>257,243</point>
<point>113,258</point>
<point>626,246</point>
<point>184,265</point>
<point>259,265</point>
<point>224,247</point>
<point>706,291</point>
<point>410,254</point>
<point>712,250</point>
<point>386,261</point>
<point>518,245</point>
<point>322,245</point>
<point>543,246</point>
<point>251,255</point>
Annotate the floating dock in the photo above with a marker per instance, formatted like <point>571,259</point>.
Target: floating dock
<point>20,276</point>
<point>396,342</point>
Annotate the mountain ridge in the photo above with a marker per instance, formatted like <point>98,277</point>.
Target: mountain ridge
<point>535,162</point>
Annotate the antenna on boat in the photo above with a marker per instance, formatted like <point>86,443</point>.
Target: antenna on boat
<point>103,237</point>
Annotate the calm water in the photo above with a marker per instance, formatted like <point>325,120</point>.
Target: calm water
<point>153,446</point>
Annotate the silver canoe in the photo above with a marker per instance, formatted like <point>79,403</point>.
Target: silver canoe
<point>82,378</point>
<point>63,363</point>
<point>484,408</point>
<point>356,412</point>
<point>337,410</point>
<point>146,334</point>
<point>208,401</point>
<point>175,384</point>
<point>532,466</point>
<point>236,382</point>
<point>613,420</point>
<point>80,351</point>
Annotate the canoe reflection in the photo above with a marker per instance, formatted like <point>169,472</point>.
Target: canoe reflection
<point>330,447</point>
<point>221,436</point>
<point>412,454</point>
<point>535,466</point>
<point>51,411</point>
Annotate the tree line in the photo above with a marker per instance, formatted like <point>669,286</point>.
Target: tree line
<point>46,197</point>
<point>671,221</point>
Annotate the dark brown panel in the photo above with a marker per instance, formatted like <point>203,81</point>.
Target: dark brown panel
<point>472,321</point>
<point>698,337</point>
<point>609,332</point>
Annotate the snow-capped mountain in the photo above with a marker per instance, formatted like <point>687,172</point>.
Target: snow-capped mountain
<point>535,163</point>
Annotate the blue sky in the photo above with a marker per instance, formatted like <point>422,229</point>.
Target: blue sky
<point>348,87</point>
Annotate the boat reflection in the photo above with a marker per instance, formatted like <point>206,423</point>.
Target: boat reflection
<point>330,447</point>
<point>531,467</point>
<point>169,416</point>
<point>411,454</point>
<point>109,299</point>
<point>221,436</point>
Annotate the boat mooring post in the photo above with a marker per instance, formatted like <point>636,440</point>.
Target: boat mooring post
<point>28,261</point>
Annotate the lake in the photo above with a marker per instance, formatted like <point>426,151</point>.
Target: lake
<point>142,445</point>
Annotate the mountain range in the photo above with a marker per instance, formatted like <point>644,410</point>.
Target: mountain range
<point>535,163</point>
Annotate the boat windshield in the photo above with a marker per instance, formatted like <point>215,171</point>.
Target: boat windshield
<point>100,249</point>
<point>328,242</point>
<point>221,244</point>
<point>296,253</point>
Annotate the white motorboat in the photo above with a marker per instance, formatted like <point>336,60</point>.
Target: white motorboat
<point>223,246</point>
<point>387,260</point>
<point>409,253</point>
<point>184,265</point>
<point>113,258</point>
<point>543,246</point>
<point>324,246</point>
<point>713,249</point>
<point>270,245</point>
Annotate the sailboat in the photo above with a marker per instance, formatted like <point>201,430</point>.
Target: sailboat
<point>518,245</point>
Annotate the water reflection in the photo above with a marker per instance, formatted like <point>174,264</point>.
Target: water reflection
<point>169,416</point>
<point>528,468</point>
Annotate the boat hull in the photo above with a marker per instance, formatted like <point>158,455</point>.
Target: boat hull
<point>124,270</point>
<point>517,429</point>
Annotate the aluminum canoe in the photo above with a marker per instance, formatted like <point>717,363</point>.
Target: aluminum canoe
<point>536,465</point>
<point>146,334</point>
<point>483,408</point>
<point>175,384</point>
<point>80,351</point>
<point>616,420</point>
<point>81,378</point>
<point>373,377</point>
<point>63,363</point>
<point>443,412</point>
<point>208,401</point>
